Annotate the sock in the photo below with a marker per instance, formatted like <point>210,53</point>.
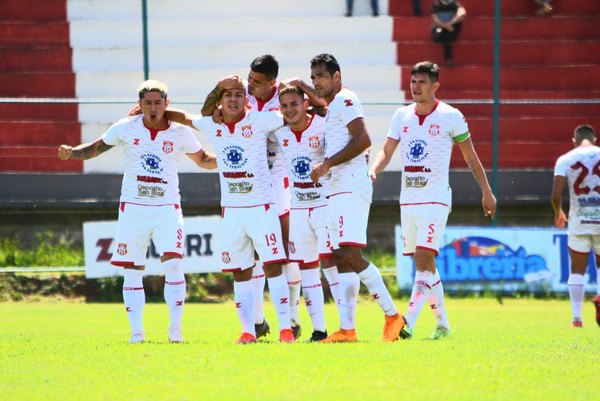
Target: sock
<point>420,293</point>
<point>134,298</point>
<point>331,275</point>
<point>371,278</point>
<point>349,286</point>
<point>244,299</point>
<point>174,289</point>
<point>576,284</point>
<point>436,301</point>
<point>294,280</point>
<point>258,285</point>
<point>313,297</point>
<point>280,296</point>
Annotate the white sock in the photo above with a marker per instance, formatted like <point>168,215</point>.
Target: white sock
<point>436,301</point>
<point>174,290</point>
<point>258,285</point>
<point>576,284</point>
<point>134,298</point>
<point>420,294</point>
<point>294,280</point>
<point>280,296</point>
<point>349,286</point>
<point>244,304</point>
<point>313,297</point>
<point>331,275</point>
<point>371,278</point>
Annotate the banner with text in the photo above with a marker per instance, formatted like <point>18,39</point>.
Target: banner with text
<point>202,252</point>
<point>498,259</point>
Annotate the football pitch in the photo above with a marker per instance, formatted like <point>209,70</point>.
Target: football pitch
<point>522,349</point>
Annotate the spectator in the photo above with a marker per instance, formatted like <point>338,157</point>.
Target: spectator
<point>447,17</point>
<point>374,7</point>
<point>545,7</point>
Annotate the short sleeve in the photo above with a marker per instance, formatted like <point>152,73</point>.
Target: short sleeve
<point>271,120</point>
<point>459,126</point>
<point>395,126</point>
<point>112,136</point>
<point>560,167</point>
<point>351,108</point>
<point>190,143</point>
<point>202,123</point>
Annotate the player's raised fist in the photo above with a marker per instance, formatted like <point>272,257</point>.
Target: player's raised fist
<point>64,152</point>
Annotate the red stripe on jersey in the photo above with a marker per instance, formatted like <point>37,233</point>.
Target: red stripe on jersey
<point>424,203</point>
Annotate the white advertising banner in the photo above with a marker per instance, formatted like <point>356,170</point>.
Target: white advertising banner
<point>202,248</point>
<point>498,259</point>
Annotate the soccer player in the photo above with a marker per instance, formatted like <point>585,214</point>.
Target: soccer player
<point>249,219</point>
<point>580,170</point>
<point>426,130</point>
<point>150,200</point>
<point>302,144</point>
<point>349,191</point>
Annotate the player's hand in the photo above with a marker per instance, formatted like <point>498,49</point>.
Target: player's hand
<point>136,110</point>
<point>560,220</point>
<point>373,176</point>
<point>231,82</point>
<point>64,152</point>
<point>297,82</point>
<point>217,115</point>
<point>489,205</point>
<point>319,171</point>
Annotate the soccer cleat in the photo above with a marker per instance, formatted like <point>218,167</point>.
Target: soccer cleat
<point>246,338</point>
<point>440,332</point>
<point>297,330</point>
<point>287,336</point>
<point>406,332</point>
<point>342,336</point>
<point>597,304</point>
<point>577,323</point>
<point>175,334</point>
<point>392,327</point>
<point>137,337</point>
<point>262,329</point>
<point>317,336</point>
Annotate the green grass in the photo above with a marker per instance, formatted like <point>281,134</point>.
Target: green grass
<point>50,249</point>
<point>521,350</point>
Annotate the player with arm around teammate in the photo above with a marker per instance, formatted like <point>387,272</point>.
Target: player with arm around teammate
<point>579,169</point>
<point>150,200</point>
<point>426,131</point>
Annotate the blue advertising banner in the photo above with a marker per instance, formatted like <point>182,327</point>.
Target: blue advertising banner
<point>498,259</point>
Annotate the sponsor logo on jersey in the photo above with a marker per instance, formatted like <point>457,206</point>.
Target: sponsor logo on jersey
<point>273,108</point>
<point>151,163</point>
<point>219,133</point>
<point>234,157</point>
<point>150,191</point>
<point>303,185</point>
<point>301,166</point>
<point>136,141</point>
<point>225,257</point>
<point>291,247</point>
<point>122,249</point>
<point>417,151</point>
<point>434,129</point>
<point>417,169</point>
<point>239,187</point>
<point>415,182</point>
<point>156,180</point>
<point>307,196</point>
<point>237,174</point>
<point>247,131</point>
<point>286,142</point>
<point>348,102</point>
<point>314,142</point>
<point>405,129</point>
<point>168,147</point>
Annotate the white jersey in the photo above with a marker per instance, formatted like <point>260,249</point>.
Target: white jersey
<point>301,151</point>
<point>151,159</point>
<point>426,146</point>
<point>353,175</point>
<point>581,167</point>
<point>241,157</point>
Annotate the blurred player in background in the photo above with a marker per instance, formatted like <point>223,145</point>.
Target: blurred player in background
<point>349,191</point>
<point>150,200</point>
<point>579,169</point>
<point>426,131</point>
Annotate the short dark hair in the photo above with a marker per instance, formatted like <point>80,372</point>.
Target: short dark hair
<point>426,67</point>
<point>326,59</point>
<point>266,64</point>
<point>584,131</point>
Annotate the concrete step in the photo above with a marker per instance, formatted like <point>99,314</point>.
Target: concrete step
<point>33,10</point>
<point>40,133</point>
<point>38,111</point>
<point>35,59</point>
<point>516,155</point>
<point>37,84</point>
<point>33,33</point>
<point>35,159</point>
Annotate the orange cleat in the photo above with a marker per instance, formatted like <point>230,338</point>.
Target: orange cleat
<point>342,336</point>
<point>392,327</point>
<point>246,338</point>
<point>287,336</point>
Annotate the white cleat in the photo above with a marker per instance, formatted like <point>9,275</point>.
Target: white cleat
<point>137,337</point>
<point>175,334</point>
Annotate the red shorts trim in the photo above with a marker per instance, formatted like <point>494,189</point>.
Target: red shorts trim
<point>286,213</point>
<point>309,265</point>
<point>428,249</point>
<point>272,262</point>
<point>232,269</point>
<point>326,256</point>
<point>339,193</point>
<point>408,254</point>
<point>122,264</point>
<point>577,252</point>
<point>352,244</point>
<point>177,255</point>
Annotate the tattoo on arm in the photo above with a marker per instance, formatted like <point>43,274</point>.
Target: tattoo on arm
<point>211,101</point>
<point>474,172</point>
<point>89,151</point>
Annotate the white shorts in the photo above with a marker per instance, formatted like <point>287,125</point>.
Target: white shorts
<point>423,226</point>
<point>246,229</point>
<point>347,220</point>
<point>138,223</point>
<point>584,243</point>
<point>309,239</point>
<point>282,195</point>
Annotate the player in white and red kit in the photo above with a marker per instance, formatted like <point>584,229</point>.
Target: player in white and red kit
<point>249,219</point>
<point>349,191</point>
<point>426,131</point>
<point>579,169</point>
<point>150,200</point>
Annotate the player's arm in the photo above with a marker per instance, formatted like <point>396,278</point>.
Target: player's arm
<point>84,151</point>
<point>212,99</point>
<point>358,143</point>
<point>318,103</point>
<point>180,116</point>
<point>558,185</point>
<point>489,200</point>
<point>383,158</point>
<point>204,159</point>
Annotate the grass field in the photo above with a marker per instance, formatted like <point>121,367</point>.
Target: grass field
<point>520,350</point>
